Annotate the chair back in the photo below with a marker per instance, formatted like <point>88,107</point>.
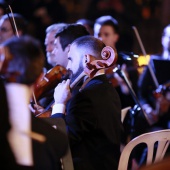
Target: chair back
<point>124,112</point>
<point>161,136</point>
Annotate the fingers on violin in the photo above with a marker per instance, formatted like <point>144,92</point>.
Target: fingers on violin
<point>68,82</point>
<point>31,107</point>
<point>63,81</point>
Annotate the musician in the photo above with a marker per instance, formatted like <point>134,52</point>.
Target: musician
<point>92,115</point>
<point>6,30</point>
<point>52,60</point>
<point>156,109</point>
<point>27,142</point>
<point>49,44</point>
<point>155,105</point>
<point>106,28</point>
<point>63,38</point>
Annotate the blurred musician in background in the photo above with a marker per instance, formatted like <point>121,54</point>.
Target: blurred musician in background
<point>54,64</point>
<point>157,108</point>
<point>49,44</point>
<point>27,142</point>
<point>7,30</point>
<point>154,94</point>
<point>106,28</point>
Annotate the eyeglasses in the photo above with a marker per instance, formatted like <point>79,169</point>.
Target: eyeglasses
<point>3,29</point>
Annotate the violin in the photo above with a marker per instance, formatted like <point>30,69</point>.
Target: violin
<point>49,81</point>
<point>109,58</point>
<point>47,111</point>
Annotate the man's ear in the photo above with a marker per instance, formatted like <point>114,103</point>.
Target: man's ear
<point>87,59</point>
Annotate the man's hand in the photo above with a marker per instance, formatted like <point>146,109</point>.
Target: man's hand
<point>62,92</point>
<point>36,109</point>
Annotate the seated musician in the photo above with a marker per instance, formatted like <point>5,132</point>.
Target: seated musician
<point>27,142</point>
<point>156,108</point>
<point>7,30</point>
<point>106,28</point>
<point>63,38</point>
<point>92,114</point>
<point>155,104</point>
<point>43,90</point>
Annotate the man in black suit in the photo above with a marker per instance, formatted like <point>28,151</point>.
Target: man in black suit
<point>27,142</point>
<point>93,114</point>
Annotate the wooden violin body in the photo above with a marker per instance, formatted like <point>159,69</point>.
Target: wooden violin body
<point>49,81</point>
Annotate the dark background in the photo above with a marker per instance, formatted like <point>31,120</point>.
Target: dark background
<point>149,17</point>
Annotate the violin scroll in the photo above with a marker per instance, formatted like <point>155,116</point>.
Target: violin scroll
<point>109,58</point>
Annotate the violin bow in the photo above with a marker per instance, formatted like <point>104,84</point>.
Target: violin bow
<point>149,67</point>
<point>144,53</point>
<point>15,31</point>
<point>12,21</point>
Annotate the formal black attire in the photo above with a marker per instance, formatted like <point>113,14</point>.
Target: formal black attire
<point>94,126</point>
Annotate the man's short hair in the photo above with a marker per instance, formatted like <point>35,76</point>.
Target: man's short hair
<point>55,27</point>
<point>69,33</point>
<point>26,59</point>
<point>90,45</point>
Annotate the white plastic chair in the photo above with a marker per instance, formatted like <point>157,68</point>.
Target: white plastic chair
<point>124,112</point>
<point>161,136</point>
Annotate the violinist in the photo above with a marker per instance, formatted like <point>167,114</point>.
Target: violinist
<point>6,29</point>
<point>24,136</point>
<point>43,92</point>
<point>156,107</point>
<point>151,105</point>
<point>63,38</point>
<point>92,114</point>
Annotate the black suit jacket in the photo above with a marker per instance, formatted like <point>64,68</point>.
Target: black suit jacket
<point>46,155</point>
<point>94,126</point>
